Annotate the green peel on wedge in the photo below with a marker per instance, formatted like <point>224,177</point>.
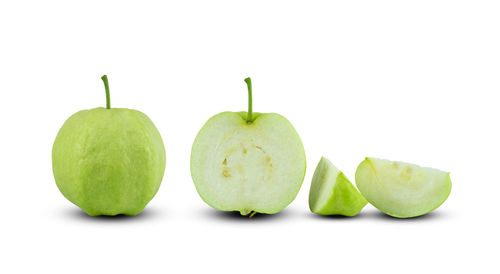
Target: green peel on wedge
<point>332,193</point>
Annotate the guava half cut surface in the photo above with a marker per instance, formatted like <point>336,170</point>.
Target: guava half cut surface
<point>255,166</point>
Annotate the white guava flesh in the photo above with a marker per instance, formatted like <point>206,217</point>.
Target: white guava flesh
<point>400,189</point>
<point>248,167</point>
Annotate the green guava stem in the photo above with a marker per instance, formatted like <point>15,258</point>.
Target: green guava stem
<point>106,86</point>
<point>250,215</point>
<point>249,84</point>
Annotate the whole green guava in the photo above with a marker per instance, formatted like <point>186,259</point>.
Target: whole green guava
<point>108,161</point>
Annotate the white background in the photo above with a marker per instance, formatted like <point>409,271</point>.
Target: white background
<point>415,81</point>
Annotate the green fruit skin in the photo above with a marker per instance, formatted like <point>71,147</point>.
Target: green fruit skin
<point>108,161</point>
<point>412,208</point>
<point>345,199</point>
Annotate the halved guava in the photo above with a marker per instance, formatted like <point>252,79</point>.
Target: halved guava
<point>248,166</point>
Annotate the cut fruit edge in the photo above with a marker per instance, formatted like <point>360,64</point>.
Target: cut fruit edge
<point>327,181</point>
<point>374,165</point>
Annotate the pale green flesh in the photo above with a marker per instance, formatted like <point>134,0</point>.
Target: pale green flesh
<point>245,167</point>
<point>400,189</point>
<point>332,193</point>
<point>108,161</point>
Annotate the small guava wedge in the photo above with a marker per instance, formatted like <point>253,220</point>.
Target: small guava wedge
<point>248,162</point>
<point>332,193</point>
<point>400,189</point>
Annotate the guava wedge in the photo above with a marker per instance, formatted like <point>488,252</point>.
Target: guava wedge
<point>400,189</point>
<point>248,162</point>
<point>332,193</point>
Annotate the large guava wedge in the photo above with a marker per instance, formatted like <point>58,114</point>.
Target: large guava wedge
<point>248,162</point>
<point>332,193</point>
<point>400,189</point>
